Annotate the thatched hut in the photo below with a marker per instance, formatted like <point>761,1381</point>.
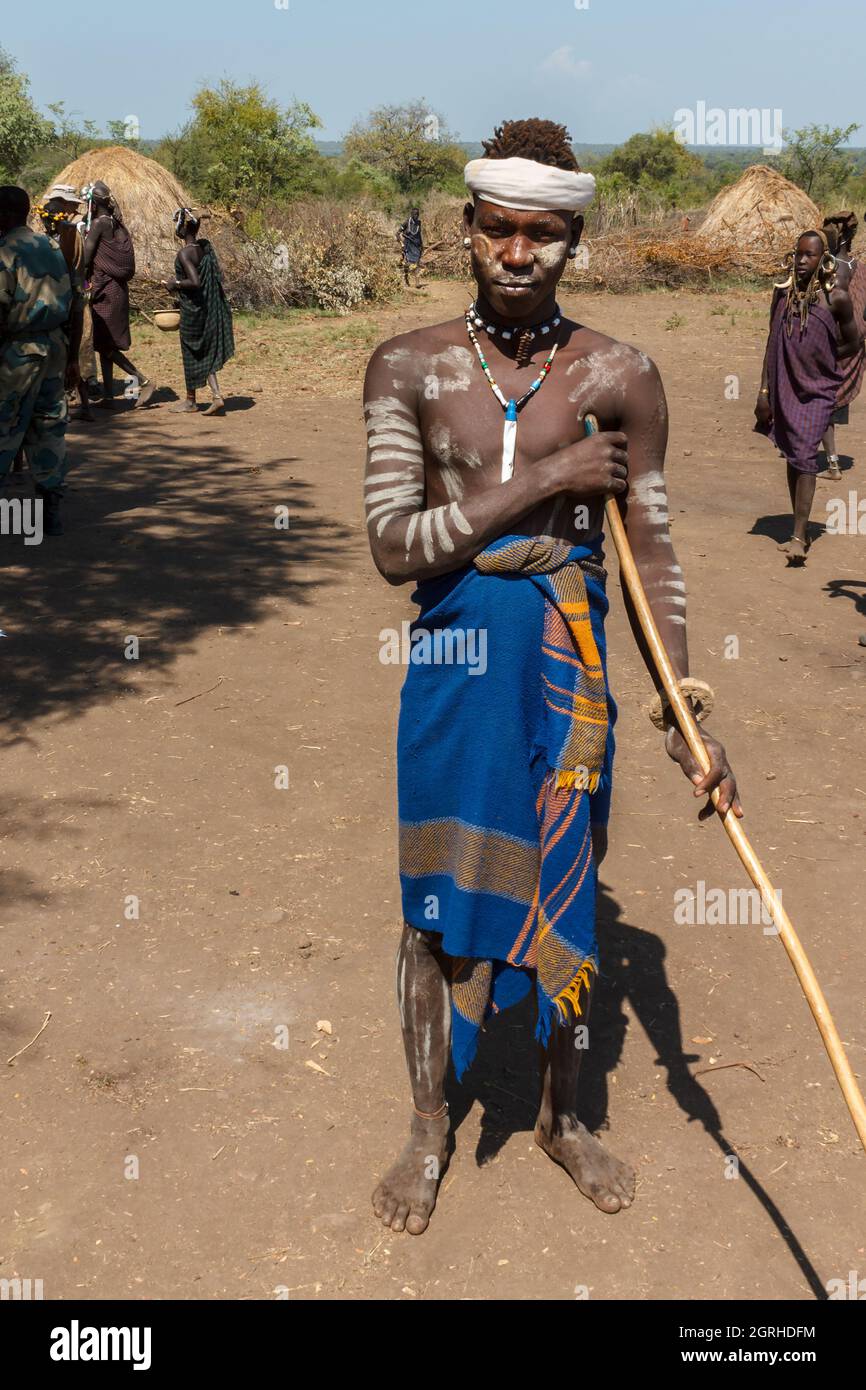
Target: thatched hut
<point>148,195</point>
<point>762,212</point>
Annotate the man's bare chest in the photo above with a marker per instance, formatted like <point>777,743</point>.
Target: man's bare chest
<point>461,422</point>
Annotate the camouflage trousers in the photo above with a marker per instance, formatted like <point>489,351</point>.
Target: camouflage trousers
<point>33,410</point>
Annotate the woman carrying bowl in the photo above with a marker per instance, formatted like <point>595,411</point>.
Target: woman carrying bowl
<point>206,338</point>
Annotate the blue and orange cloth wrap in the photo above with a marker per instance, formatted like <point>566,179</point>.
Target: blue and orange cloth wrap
<point>502,774</point>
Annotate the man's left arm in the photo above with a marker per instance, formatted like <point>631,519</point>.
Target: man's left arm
<point>645,421</point>
<point>850,333</point>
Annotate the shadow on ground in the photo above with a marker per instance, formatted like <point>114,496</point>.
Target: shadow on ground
<point>853,589</point>
<point>504,1079</point>
<point>164,538</point>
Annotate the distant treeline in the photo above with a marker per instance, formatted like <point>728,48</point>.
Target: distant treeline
<point>242,150</point>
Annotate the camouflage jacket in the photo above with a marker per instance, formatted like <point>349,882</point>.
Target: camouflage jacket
<point>35,288</point>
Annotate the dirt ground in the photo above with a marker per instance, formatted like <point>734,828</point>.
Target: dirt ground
<point>157,1143</point>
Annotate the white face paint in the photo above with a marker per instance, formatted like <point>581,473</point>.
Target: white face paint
<point>551,254</point>
<point>482,250</point>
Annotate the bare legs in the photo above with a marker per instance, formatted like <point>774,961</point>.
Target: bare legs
<point>84,411</point>
<point>801,488</point>
<point>406,1196</point>
<point>216,407</point>
<point>601,1177</point>
<point>829,442</point>
<point>107,362</point>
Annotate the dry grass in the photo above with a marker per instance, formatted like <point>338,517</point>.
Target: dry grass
<point>627,262</point>
<point>322,254</point>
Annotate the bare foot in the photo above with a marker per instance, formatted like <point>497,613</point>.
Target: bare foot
<point>600,1176</point>
<point>182,408</point>
<point>216,407</point>
<point>406,1196</point>
<point>144,395</point>
<point>795,551</point>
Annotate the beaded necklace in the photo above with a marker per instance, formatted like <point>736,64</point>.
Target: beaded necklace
<point>525,336</point>
<point>512,407</point>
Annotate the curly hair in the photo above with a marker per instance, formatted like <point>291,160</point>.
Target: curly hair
<point>544,141</point>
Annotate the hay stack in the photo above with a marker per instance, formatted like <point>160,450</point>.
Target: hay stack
<point>762,211</point>
<point>147,195</point>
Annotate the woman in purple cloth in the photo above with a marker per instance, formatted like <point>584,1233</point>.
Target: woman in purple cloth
<point>812,327</point>
<point>109,264</point>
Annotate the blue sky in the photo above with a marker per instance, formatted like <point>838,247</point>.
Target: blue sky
<point>606,70</point>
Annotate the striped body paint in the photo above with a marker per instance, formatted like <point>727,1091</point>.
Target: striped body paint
<point>394,487</point>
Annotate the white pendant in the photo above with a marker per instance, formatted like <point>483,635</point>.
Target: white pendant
<point>509,443</point>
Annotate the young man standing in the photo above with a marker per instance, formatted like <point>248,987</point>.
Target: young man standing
<point>411,239</point>
<point>483,488</point>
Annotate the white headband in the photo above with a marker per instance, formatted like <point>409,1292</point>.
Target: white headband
<point>527,186</point>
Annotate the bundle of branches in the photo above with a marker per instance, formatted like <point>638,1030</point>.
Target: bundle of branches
<point>643,259</point>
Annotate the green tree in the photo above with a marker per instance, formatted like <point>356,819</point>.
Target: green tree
<point>71,139</point>
<point>120,133</point>
<point>241,147</point>
<point>656,157</point>
<point>410,144</point>
<point>812,158</point>
<point>22,128</point>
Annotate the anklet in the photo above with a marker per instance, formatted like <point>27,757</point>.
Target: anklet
<point>437,1115</point>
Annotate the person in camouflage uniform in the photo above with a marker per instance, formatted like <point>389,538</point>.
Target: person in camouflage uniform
<point>36,300</point>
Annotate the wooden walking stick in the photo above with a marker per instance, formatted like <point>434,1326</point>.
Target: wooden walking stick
<point>690,732</point>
